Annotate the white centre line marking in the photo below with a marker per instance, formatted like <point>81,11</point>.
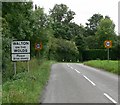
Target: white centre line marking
<point>89,80</point>
<point>111,99</point>
<point>77,71</point>
<point>71,67</point>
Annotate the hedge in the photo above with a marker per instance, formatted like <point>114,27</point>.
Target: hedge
<point>94,54</point>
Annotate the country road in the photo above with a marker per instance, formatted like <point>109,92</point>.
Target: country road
<point>77,83</point>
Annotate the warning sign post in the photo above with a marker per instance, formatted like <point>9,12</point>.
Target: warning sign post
<point>108,44</point>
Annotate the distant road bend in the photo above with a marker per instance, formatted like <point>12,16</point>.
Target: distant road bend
<point>77,83</point>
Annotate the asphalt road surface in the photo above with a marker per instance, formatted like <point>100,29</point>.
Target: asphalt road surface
<point>77,83</point>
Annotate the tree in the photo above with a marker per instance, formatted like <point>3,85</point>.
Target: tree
<point>92,24</point>
<point>6,57</point>
<point>81,45</point>
<point>105,31</point>
<point>91,42</point>
<point>61,18</point>
<point>17,14</point>
<point>60,13</point>
<point>61,49</point>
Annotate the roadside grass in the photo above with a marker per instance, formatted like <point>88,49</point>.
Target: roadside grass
<point>27,87</point>
<point>111,65</point>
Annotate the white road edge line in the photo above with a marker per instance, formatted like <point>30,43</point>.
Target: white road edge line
<point>77,71</point>
<point>89,80</point>
<point>111,99</point>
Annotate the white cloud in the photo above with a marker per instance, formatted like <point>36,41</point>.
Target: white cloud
<point>84,9</point>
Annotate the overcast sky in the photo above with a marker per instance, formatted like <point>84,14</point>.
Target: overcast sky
<point>84,9</point>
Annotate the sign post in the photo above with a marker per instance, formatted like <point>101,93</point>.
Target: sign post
<point>14,68</point>
<point>20,52</point>
<point>108,54</point>
<point>108,44</point>
<point>28,66</point>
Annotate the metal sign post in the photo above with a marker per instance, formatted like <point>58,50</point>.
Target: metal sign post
<point>14,68</point>
<point>108,54</point>
<point>28,66</point>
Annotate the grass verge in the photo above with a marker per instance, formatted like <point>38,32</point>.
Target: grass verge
<point>111,65</point>
<point>27,87</point>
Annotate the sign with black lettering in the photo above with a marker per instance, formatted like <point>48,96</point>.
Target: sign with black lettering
<point>20,57</point>
<point>20,50</point>
<point>22,47</point>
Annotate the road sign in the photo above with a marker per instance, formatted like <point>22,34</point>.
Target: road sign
<point>38,46</point>
<point>22,47</point>
<point>20,57</point>
<point>108,43</point>
<point>20,50</point>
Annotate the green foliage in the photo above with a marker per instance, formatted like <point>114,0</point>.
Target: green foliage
<point>74,31</point>
<point>105,31</point>
<point>111,66</point>
<point>61,49</point>
<point>92,24</point>
<point>60,13</point>
<point>80,43</point>
<point>17,15</point>
<point>91,42</point>
<point>61,22</point>
<point>6,58</point>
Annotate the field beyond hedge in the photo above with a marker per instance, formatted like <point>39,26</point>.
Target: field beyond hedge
<point>111,65</point>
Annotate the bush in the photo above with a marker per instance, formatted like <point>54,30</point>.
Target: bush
<point>62,49</point>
